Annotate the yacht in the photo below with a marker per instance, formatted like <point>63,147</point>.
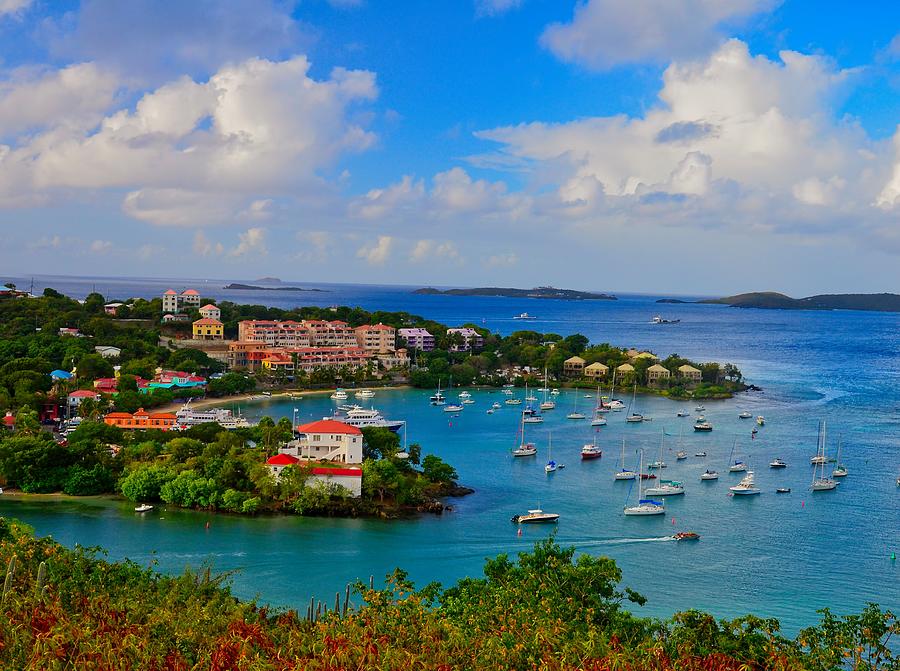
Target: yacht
<point>746,487</point>
<point>547,405</point>
<point>465,394</point>
<point>703,426</point>
<point>645,506</point>
<point>339,395</point>
<point>551,465</point>
<point>536,516</point>
<point>187,416</point>
<point>709,475</point>
<point>362,418</point>
<point>453,408</point>
<point>598,421</point>
<point>364,393</point>
<point>681,454</point>
<point>534,419</point>
<point>575,414</point>
<point>839,470</point>
<point>615,405</point>
<point>468,401</point>
<point>665,488</point>
<point>438,398</point>
<point>821,483</point>
<point>745,415</point>
<point>778,462</point>
<point>591,451</point>
<point>817,460</point>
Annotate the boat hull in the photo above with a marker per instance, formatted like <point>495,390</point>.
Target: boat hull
<point>588,456</point>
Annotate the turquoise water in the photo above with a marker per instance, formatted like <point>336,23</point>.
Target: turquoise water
<point>774,555</point>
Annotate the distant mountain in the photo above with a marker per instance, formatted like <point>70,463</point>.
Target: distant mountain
<point>253,287</point>
<point>776,301</point>
<point>537,292</point>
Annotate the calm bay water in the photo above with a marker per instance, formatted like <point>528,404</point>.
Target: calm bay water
<point>774,555</point>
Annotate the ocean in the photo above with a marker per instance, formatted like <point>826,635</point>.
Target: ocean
<point>775,555</point>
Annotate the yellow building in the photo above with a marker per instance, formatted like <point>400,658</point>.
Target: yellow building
<point>209,329</point>
<point>657,373</point>
<point>574,366</point>
<point>596,371</point>
<point>690,373</point>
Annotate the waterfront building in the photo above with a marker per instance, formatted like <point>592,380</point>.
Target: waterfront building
<point>417,338</point>
<point>657,374</point>
<point>379,338</point>
<point>690,373</point>
<point>141,420</point>
<point>173,302</point>
<point>348,477</point>
<point>471,339</point>
<point>574,366</point>
<point>208,329</point>
<point>327,440</point>
<point>210,311</point>
<point>398,359</point>
<point>306,333</point>
<point>625,371</point>
<point>596,371</point>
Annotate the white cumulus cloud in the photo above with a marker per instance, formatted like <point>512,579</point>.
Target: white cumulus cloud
<point>377,253</point>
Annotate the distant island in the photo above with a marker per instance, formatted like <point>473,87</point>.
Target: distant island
<point>537,292</point>
<point>775,301</point>
<point>253,287</point>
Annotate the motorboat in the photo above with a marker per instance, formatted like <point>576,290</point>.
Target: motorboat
<point>699,454</point>
<point>745,415</point>
<point>709,475</point>
<point>703,426</point>
<point>339,395</point>
<point>660,320</point>
<point>615,405</point>
<point>363,418</point>
<point>534,419</point>
<point>817,460</point>
<point>554,392</point>
<point>591,451</point>
<point>465,394</point>
<point>648,476</point>
<point>665,488</point>
<point>686,536</point>
<point>513,401</point>
<point>143,508</point>
<point>737,467</point>
<point>547,405</point>
<point>490,411</point>
<point>468,401</point>
<point>746,487</point>
<point>524,315</point>
<point>760,420</point>
<point>644,506</point>
<point>453,408</point>
<point>536,516</point>
<point>575,415</point>
<point>507,392</point>
<point>656,464</point>
<point>634,418</point>
<point>681,454</point>
<point>364,393</point>
<point>496,406</point>
<point>699,408</point>
<point>783,490</point>
<point>778,462</point>
<point>682,413</point>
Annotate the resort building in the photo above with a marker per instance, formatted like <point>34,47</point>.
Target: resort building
<point>210,311</point>
<point>327,440</point>
<point>574,366</point>
<point>398,359</point>
<point>626,370</point>
<point>417,338</point>
<point>690,373</point>
<point>471,339</point>
<point>173,302</point>
<point>208,329</point>
<point>307,333</point>
<point>348,477</point>
<point>657,373</point>
<point>650,356</point>
<point>141,420</point>
<point>379,338</point>
<point>111,308</point>
<point>596,371</point>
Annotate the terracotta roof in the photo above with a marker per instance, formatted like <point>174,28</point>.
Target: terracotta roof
<point>328,426</point>
<point>282,460</point>
<point>171,292</point>
<point>209,306</point>
<point>118,415</point>
<point>190,292</point>
<point>206,321</point>
<point>83,393</point>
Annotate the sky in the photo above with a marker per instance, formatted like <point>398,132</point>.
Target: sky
<point>676,146</point>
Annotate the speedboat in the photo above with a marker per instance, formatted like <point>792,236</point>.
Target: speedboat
<point>364,393</point>
<point>339,395</point>
<point>745,415</point>
<point>656,464</point>
<point>760,420</point>
<point>703,426</point>
<point>783,490</point>
<point>682,413</point>
<point>615,405</point>
<point>699,408</point>
<point>495,405</point>
<point>746,487</point>
<point>465,394</point>
<point>709,475</point>
<point>554,392</point>
<point>143,508</point>
<point>818,460</point>
<point>737,467</point>
<point>686,536</point>
<point>699,454</point>
<point>453,408</point>
<point>665,488</point>
<point>681,455</point>
<point>777,463</point>
<point>525,450</point>
<point>467,401</point>
<point>550,467</point>
<point>536,516</point>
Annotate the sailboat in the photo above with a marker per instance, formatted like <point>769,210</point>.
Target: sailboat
<point>645,506</point>
<point>591,450</point>
<point>438,397</point>
<point>575,414</point>
<point>525,449</point>
<point>551,465</point>
<point>598,419</point>
<point>839,470</point>
<point>659,463</point>
<point>547,404</point>
<point>531,415</point>
<point>624,473</point>
<point>735,465</point>
<point>820,483</point>
<point>614,404</point>
<point>634,416</point>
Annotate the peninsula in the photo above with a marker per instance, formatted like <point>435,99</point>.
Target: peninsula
<point>537,292</point>
<point>776,301</point>
<point>253,287</point>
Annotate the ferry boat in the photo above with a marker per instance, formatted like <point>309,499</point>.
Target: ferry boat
<point>536,516</point>
<point>363,418</point>
<point>187,416</point>
<point>746,487</point>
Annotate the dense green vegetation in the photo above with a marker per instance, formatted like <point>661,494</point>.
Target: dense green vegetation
<point>209,468</point>
<point>68,609</point>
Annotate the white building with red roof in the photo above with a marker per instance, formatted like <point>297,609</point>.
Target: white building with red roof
<point>210,311</point>
<point>173,302</point>
<point>349,477</point>
<point>76,397</point>
<point>327,440</point>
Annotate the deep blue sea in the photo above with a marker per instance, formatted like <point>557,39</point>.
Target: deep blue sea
<point>777,555</point>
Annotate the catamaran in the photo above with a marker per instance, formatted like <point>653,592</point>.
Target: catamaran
<point>624,473</point>
<point>665,488</point>
<point>645,506</point>
<point>820,483</point>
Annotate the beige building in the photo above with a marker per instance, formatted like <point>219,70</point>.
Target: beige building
<point>657,373</point>
<point>574,366</point>
<point>379,338</point>
<point>210,311</point>
<point>625,371</point>
<point>596,371</point>
<point>647,355</point>
<point>690,373</point>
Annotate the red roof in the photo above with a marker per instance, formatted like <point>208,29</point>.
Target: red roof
<point>190,292</point>
<point>83,393</point>
<point>207,321</point>
<point>282,460</point>
<point>375,327</point>
<point>118,415</point>
<point>329,426</point>
<point>209,306</point>
<point>353,472</point>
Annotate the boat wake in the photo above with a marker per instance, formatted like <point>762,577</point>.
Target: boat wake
<point>625,541</point>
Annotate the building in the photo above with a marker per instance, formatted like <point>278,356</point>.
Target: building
<point>379,338</point>
<point>306,333</point>
<point>690,373</point>
<point>174,318</point>
<point>626,370</point>
<point>596,371</point>
<point>349,478</point>
<point>108,351</point>
<point>112,308</point>
<point>208,329</point>
<point>391,360</point>
<point>647,355</point>
<point>327,440</point>
<point>417,338</point>
<point>657,374</point>
<point>173,302</point>
<point>471,339</point>
<point>141,420</point>
<point>74,399</point>
<point>574,366</point>
<point>210,311</point>
<point>66,331</point>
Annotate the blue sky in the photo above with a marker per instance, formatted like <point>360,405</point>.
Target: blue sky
<point>704,146</point>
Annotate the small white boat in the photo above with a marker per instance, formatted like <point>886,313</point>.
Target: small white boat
<point>524,315</point>
<point>143,508</point>
<point>737,467</point>
<point>778,462</point>
<point>465,394</point>
<point>699,408</point>
<point>699,454</point>
<point>364,393</point>
<point>634,418</point>
<point>681,454</point>
<point>525,450</point>
<point>616,405</point>
<point>513,401</point>
<point>709,475</point>
<point>682,413</point>
<point>507,392</point>
<point>575,415</point>
<point>534,419</point>
<point>453,408</point>
<point>531,398</point>
<point>536,516</point>
<point>339,395</point>
<point>823,484</point>
<point>703,426</point>
<point>745,415</point>
<point>624,473</point>
<point>817,460</point>
<point>490,411</point>
<point>665,488</point>
<point>547,405</point>
<point>598,421</point>
<point>760,420</point>
<point>746,487</point>
<point>467,401</point>
<point>496,406</point>
<point>554,392</point>
<point>656,464</point>
<point>550,467</point>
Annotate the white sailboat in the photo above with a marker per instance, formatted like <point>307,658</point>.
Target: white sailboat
<point>438,398</point>
<point>735,465</point>
<point>551,465</point>
<point>659,463</point>
<point>614,404</point>
<point>525,449</point>
<point>645,506</point>
<point>575,414</point>
<point>599,419</point>
<point>624,473</point>
<point>839,470</point>
<point>633,416</point>
<point>820,483</point>
<point>547,404</point>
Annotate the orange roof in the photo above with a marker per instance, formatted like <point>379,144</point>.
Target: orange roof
<point>206,321</point>
<point>118,415</point>
<point>190,292</point>
<point>209,306</point>
<point>171,292</point>
<point>329,426</point>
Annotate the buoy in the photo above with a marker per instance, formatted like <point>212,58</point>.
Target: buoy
<point>893,556</point>
<point>519,533</point>
<point>207,525</point>
<point>803,504</point>
<point>673,521</point>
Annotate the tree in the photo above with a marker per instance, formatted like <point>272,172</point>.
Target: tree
<point>380,443</point>
<point>145,482</point>
<point>436,469</point>
<point>575,343</point>
<point>380,478</point>
<point>93,366</point>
